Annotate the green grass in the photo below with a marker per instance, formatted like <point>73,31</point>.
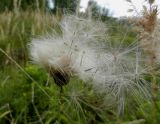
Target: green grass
<point>16,30</point>
<point>77,104</point>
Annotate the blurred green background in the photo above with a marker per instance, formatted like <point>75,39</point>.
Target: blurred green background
<point>29,96</point>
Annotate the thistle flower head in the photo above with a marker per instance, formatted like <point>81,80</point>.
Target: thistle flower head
<point>48,53</point>
<point>71,53</point>
<point>78,51</point>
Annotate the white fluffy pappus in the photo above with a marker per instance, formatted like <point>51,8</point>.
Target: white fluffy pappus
<point>75,45</point>
<point>120,74</point>
<point>78,52</point>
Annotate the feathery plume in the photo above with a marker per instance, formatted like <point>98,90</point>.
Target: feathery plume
<point>71,53</point>
<point>78,52</point>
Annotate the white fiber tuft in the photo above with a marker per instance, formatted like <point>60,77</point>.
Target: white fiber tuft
<point>79,51</point>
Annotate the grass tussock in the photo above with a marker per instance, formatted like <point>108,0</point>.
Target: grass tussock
<point>16,30</point>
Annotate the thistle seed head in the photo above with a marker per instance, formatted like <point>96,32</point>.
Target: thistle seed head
<point>78,52</point>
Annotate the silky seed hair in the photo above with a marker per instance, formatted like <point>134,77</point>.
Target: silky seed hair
<point>79,51</point>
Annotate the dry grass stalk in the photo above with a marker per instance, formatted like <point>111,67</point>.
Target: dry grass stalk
<point>147,29</point>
